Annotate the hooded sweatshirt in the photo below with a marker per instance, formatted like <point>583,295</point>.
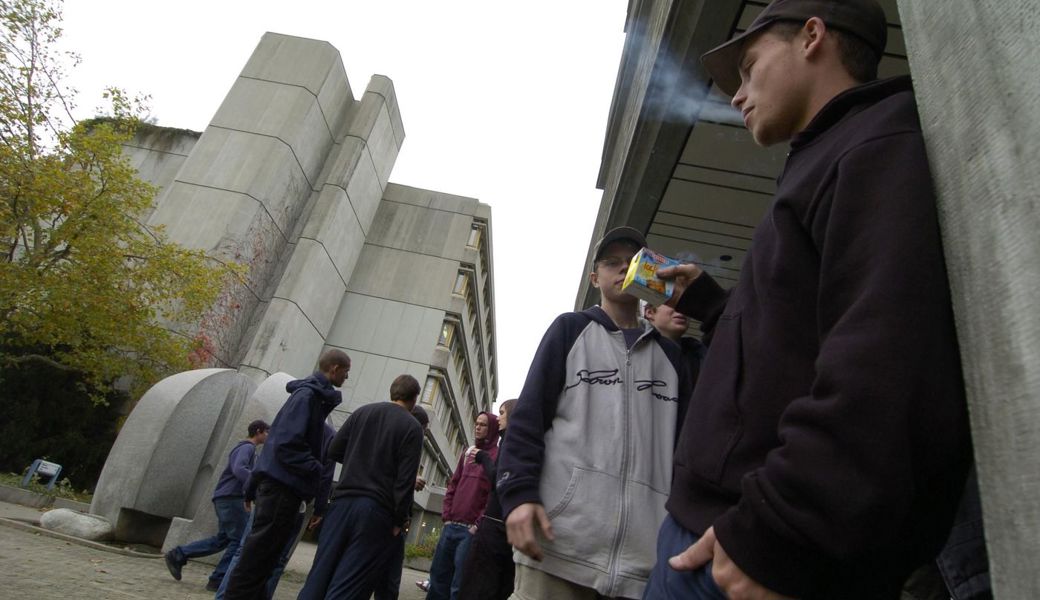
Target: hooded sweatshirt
<point>294,452</point>
<point>468,488</point>
<point>236,473</point>
<point>591,439</point>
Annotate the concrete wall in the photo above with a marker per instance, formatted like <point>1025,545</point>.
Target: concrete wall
<point>974,66</point>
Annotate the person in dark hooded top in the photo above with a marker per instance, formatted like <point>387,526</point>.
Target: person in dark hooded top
<point>464,503</point>
<point>288,472</point>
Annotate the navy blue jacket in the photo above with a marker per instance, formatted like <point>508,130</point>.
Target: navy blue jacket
<point>236,473</point>
<point>294,452</point>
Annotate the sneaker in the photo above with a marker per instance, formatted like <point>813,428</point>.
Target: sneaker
<point>212,586</point>
<point>423,585</point>
<point>173,565</point>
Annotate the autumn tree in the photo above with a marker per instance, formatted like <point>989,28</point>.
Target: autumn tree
<point>86,285</point>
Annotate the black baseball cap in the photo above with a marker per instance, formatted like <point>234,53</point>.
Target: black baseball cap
<point>861,18</point>
<point>629,234</point>
<point>257,426</point>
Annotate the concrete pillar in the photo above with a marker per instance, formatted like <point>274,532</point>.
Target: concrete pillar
<point>974,65</point>
<point>324,248</point>
<point>241,191</point>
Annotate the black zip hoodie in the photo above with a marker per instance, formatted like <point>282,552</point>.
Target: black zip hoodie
<point>827,439</point>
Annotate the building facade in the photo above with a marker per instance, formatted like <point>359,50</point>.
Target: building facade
<point>291,180</point>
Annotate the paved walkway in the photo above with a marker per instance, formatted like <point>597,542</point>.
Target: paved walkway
<point>36,566</point>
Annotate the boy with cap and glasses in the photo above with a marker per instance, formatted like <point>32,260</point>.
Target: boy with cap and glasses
<point>229,504</point>
<point>826,444</point>
<point>584,477</point>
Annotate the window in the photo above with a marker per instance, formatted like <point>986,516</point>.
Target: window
<point>474,236</point>
<point>447,334</point>
<point>430,392</point>
<point>461,283</point>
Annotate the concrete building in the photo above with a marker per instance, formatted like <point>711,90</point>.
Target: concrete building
<point>291,180</point>
<point>678,165</point>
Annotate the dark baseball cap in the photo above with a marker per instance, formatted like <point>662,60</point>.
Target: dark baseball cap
<point>618,234</point>
<point>861,18</point>
<point>257,426</point>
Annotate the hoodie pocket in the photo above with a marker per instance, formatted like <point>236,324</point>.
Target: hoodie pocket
<point>584,520</point>
<point>714,424</point>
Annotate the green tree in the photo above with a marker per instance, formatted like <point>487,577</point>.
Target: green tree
<point>86,285</point>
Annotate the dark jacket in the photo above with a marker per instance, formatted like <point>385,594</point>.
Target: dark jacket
<point>294,452</point>
<point>468,488</point>
<point>827,438</point>
<point>379,445</point>
<point>328,471</point>
<point>236,473</point>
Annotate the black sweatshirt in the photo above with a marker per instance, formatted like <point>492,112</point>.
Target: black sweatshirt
<point>379,446</point>
<point>827,439</point>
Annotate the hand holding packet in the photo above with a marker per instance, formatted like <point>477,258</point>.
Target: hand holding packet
<point>642,281</point>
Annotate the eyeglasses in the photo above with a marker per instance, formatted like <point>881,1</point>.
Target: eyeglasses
<point>613,262</point>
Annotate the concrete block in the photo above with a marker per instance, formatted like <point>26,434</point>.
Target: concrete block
<point>418,279</point>
<point>335,98</point>
<point>312,282</point>
<point>77,524</point>
<point>335,225</point>
<point>163,453</point>
<point>383,86</point>
<point>422,230</point>
<point>284,341</point>
<point>371,122</point>
<point>261,167</point>
<point>294,60</point>
<point>365,194</point>
<point>371,376</point>
<point>386,327</point>
<point>286,112</point>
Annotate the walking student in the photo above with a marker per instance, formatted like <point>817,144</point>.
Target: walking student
<point>379,446</point>
<point>229,504</point>
<point>288,472</point>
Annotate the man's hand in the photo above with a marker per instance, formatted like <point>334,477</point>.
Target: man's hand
<point>727,575</point>
<point>683,275</point>
<point>420,483</point>
<point>520,528</point>
<point>397,531</point>
<point>249,506</point>
<point>314,522</point>
<point>473,530</point>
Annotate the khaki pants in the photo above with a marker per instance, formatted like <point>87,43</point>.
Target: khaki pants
<point>532,584</point>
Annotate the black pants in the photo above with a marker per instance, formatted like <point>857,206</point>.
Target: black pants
<point>489,570</point>
<point>274,523</point>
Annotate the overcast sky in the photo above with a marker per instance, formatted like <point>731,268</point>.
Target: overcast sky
<point>506,102</point>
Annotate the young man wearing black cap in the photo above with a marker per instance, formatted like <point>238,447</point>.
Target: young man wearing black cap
<point>583,479</point>
<point>229,504</point>
<point>826,444</point>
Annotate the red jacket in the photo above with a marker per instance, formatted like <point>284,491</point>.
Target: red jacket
<point>468,489</point>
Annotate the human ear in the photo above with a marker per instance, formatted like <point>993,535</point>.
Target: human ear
<point>594,279</point>
<point>813,34</point>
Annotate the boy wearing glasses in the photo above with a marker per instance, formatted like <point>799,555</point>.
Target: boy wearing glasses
<point>584,478</point>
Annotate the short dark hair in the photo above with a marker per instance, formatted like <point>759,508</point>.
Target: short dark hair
<point>420,415</point>
<point>331,358</point>
<point>257,426</point>
<point>405,388</point>
<point>858,58</point>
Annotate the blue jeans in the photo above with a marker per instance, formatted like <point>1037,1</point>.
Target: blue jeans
<point>448,560</point>
<point>272,581</point>
<point>231,519</point>
<point>356,539</point>
<point>665,582</point>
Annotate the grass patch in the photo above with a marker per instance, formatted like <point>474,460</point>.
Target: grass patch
<point>62,489</point>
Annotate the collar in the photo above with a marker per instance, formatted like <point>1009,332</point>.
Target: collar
<point>842,104</point>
